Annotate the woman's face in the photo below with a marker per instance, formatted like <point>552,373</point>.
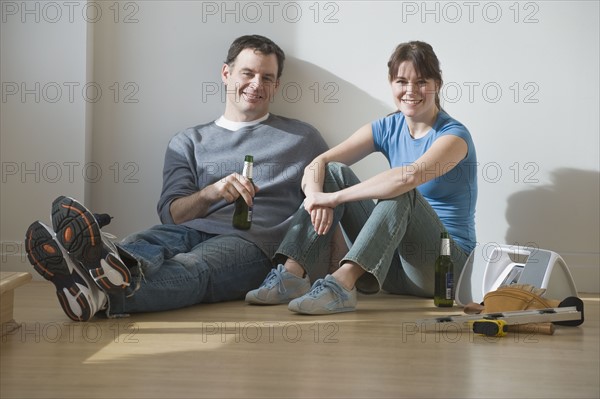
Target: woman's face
<point>414,96</point>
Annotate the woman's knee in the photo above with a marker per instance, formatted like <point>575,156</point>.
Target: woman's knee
<point>406,201</point>
<point>335,167</point>
<point>339,176</point>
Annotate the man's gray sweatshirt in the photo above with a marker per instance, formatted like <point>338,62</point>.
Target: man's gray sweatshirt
<point>202,155</point>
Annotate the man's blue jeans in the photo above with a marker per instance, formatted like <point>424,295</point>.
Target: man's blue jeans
<point>395,240</point>
<point>182,267</point>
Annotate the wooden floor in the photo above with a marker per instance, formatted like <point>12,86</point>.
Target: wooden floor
<point>234,350</point>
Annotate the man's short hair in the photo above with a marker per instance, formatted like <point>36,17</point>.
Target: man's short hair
<point>259,44</point>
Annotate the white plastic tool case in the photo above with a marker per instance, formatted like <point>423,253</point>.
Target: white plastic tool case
<point>505,265</point>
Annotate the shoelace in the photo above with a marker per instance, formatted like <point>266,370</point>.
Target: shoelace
<point>110,236</point>
<point>274,278</point>
<point>109,240</point>
<point>322,284</point>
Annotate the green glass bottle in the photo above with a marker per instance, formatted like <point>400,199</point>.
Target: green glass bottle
<point>444,279</point>
<point>242,215</point>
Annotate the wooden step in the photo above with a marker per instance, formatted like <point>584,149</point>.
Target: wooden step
<point>8,282</point>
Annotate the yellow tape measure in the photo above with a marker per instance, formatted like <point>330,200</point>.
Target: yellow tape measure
<point>490,328</point>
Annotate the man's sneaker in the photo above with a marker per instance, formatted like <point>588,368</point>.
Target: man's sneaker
<point>79,233</point>
<point>77,294</point>
<point>280,286</point>
<point>325,297</point>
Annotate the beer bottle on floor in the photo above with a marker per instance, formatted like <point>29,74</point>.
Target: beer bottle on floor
<point>444,280</point>
<point>242,215</point>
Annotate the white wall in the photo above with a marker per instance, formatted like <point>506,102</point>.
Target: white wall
<point>44,135</point>
<point>523,77</point>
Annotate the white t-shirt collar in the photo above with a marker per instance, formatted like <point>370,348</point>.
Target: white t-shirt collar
<point>234,126</point>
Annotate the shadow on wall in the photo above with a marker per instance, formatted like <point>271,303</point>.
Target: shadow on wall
<point>334,106</point>
<point>563,217</point>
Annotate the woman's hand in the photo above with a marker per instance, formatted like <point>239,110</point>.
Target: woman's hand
<point>320,207</point>
<point>318,199</point>
<point>322,219</point>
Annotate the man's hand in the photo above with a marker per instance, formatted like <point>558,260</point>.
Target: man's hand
<point>234,185</point>
<point>196,205</point>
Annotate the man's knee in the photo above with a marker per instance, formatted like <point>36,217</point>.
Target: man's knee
<point>227,249</point>
<point>153,233</point>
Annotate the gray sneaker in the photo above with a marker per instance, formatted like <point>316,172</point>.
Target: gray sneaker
<point>280,286</point>
<point>325,297</point>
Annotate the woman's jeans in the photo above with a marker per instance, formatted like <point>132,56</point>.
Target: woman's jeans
<point>396,241</point>
<point>179,266</point>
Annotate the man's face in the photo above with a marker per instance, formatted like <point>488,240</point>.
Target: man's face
<point>251,81</point>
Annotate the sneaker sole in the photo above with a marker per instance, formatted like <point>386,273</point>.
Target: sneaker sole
<point>78,232</point>
<point>254,300</point>
<point>319,312</point>
<point>46,257</point>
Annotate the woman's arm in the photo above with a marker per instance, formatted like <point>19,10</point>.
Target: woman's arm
<point>353,149</point>
<point>443,155</point>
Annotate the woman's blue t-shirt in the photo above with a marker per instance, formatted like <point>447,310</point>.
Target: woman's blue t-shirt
<point>453,195</point>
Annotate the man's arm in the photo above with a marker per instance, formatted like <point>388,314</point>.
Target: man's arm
<point>184,197</point>
<point>196,205</point>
